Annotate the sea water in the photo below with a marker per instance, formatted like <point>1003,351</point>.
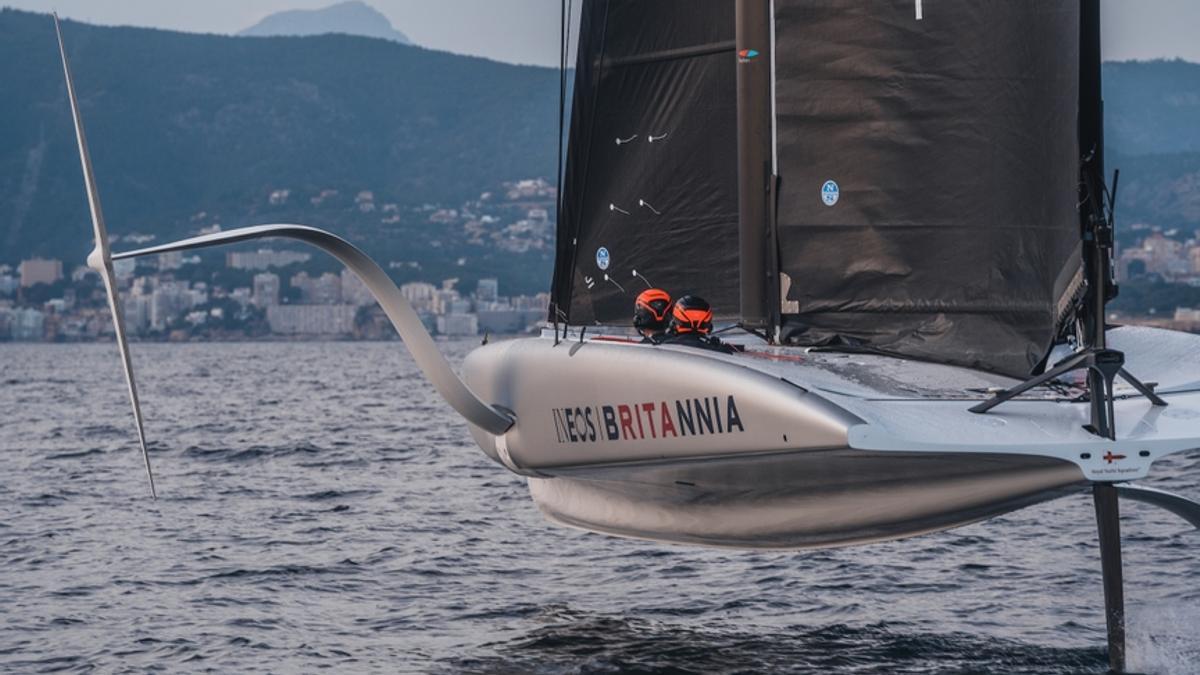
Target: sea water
<point>320,507</point>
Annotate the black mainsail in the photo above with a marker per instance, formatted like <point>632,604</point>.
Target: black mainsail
<point>922,178</point>
<point>929,165</point>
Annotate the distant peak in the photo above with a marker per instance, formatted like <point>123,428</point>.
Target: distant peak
<point>352,17</point>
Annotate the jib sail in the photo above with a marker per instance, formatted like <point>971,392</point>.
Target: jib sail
<point>651,177</point>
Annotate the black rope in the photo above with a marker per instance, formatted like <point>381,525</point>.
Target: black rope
<point>564,44</point>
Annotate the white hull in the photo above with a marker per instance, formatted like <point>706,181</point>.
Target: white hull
<point>797,500</point>
<point>795,468</point>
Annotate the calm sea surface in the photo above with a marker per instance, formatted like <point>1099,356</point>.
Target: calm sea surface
<point>320,508</point>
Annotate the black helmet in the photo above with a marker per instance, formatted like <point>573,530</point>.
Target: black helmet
<point>651,310</point>
<point>692,314</point>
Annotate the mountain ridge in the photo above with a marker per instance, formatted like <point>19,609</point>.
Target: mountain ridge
<point>190,130</point>
<point>353,17</point>
<point>1151,107</point>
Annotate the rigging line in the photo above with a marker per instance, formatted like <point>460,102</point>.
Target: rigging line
<point>614,283</point>
<point>1112,200</point>
<point>774,106</point>
<point>573,259</point>
<point>564,44</point>
<point>587,132</point>
<point>643,202</point>
<point>566,61</point>
<point>758,334</point>
<point>644,279</point>
<point>564,19</point>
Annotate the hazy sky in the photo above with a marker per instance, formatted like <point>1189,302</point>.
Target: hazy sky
<point>526,31</point>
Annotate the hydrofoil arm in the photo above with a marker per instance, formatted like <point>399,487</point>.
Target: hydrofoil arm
<point>1177,504</point>
<point>396,306</point>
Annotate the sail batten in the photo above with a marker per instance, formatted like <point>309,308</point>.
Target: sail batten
<point>671,54</point>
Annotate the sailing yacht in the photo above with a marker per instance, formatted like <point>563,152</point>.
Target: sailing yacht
<point>900,214</point>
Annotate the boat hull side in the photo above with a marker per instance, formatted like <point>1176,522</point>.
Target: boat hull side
<point>596,402</point>
<point>801,500</point>
<point>782,477</point>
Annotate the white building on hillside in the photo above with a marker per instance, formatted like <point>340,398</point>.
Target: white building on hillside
<point>319,320</point>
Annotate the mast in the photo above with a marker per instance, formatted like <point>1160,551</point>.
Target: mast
<point>1097,235</point>
<point>754,160</point>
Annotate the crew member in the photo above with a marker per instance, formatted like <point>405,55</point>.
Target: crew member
<point>651,313</point>
<point>691,325</point>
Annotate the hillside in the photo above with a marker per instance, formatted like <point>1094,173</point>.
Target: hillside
<point>1161,190</point>
<point>189,130</point>
<point>1152,107</point>
<point>1152,122</point>
<point>349,18</point>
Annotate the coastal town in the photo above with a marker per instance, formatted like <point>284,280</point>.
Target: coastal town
<point>277,292</point>
<point>285,293</point>
<point>281,297</point>
<point>1159,278</point>
<point>158,306</point>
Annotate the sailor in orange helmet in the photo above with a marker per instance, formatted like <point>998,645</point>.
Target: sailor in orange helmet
<point>651,312</point>
<point>691,325</point>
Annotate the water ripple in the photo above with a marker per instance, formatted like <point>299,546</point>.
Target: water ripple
<point>344,520</point>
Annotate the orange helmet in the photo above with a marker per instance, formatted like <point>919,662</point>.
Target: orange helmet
<point>692,314</point>
<point>650,311</point>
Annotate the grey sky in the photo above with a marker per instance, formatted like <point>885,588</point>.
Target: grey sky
<point>526,31</point>
<point>518,31</point>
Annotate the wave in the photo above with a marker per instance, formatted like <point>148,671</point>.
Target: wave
<point>582,643</point>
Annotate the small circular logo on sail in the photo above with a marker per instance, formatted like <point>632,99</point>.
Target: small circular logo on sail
<point>602,258</point>
<point>830,193</point>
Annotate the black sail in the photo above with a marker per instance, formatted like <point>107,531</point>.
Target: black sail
<point>927,158</point>
<point>651,176</point>
<point>928,161</point>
